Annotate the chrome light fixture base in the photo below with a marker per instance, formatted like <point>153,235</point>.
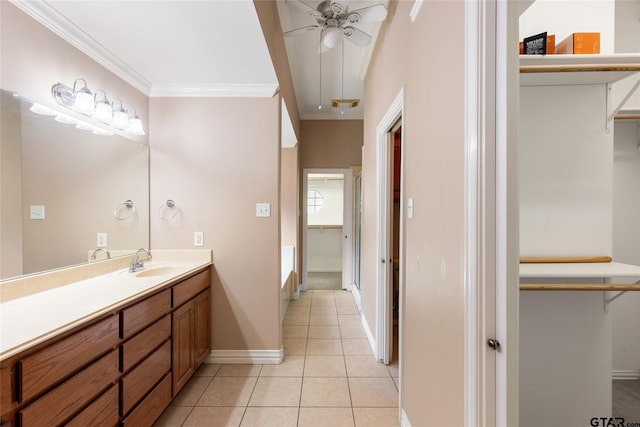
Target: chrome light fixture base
<point>63,94</point>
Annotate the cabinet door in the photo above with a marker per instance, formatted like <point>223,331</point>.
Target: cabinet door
<point>202,327</point>
<point>183,350</point>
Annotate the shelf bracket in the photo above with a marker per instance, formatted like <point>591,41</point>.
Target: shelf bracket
<point>608,301</point>
<point>619,107</point>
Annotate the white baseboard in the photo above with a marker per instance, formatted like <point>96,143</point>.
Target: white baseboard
<point>404,421</point>
<point>625,374</point>
<point>246,357</point>
<point>367,330</point>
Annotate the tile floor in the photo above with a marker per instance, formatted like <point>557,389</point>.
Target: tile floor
<point>329,377</point>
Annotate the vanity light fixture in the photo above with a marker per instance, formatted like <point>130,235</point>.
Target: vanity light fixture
<point>135,124</point>
<point>104,112</point>
<point>98,107</point>
<point>120,117</point>
<point>83,102</point>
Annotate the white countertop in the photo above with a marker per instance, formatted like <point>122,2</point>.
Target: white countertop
<point>36,317</point>
<point>591,270</point>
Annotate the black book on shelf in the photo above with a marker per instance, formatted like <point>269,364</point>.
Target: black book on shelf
<point>536,45</point>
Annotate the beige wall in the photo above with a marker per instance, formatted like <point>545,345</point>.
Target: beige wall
<point>206,157</point>
<point>331,143</point>
<point>432,303</point>
<point>270,21</point>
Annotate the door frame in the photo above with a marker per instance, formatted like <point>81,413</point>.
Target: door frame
<point>384,271</point>
<point>347,227</point>
<point>491,248</point>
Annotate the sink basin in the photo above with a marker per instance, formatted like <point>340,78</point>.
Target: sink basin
<point>156,271</point>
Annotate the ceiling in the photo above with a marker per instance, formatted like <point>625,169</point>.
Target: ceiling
<point>304,61</point>
<point>208,48</point>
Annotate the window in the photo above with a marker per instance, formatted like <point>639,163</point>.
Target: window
<point>315,201</point>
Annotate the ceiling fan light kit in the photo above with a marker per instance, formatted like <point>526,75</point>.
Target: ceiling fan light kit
<point>336,22</point>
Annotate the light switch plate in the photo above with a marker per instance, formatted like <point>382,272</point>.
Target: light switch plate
<point>36,212</point>
<point>198,238</point>
<point>263,210</point>
<point>101,240</point>
<point>410,208</point>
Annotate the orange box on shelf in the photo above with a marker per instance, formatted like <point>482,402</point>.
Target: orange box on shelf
<point>579,43</point>
<point>551,45</point>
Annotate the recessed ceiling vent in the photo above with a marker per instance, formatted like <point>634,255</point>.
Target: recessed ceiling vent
<point>345,103</point>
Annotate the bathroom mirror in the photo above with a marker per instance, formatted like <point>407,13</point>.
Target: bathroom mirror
<point>64,189</point>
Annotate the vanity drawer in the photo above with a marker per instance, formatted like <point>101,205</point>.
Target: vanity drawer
<point>59,404</point>
<point>139,381</point>
<point>137,317</point>
<point>6,395</point>
<point>191,287</point>
<point>52,364</point>
<point>146,341</point>
<point>152,406</point>
<point>103,412</point>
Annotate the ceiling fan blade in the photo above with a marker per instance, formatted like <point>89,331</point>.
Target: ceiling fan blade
<point>356,36</point>
<point>301,30</point>
<point>373,13</point>
<point>305,7</point>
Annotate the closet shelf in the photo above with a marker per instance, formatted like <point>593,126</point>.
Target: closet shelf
<point>554,70</point>
<point>587,270</point>
<point>579,287</point>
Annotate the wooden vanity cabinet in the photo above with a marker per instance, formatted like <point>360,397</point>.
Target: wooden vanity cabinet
<point>122,369</point>
<point>190,334</point>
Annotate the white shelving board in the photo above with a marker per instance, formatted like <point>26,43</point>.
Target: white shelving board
<point>556,70</point>
<point>594,270</point>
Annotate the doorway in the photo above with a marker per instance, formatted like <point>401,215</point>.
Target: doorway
<point>327,229</point>
<point>390,214</point>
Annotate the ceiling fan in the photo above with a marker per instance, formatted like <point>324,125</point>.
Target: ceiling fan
<point>336,22</point>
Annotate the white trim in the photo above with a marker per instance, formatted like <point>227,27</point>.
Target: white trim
<point>247,357</point>
<point>357,296</point>
<point>404,420</point>
<point>625,374</point>
<point>479,215</point>
<point>53,20</point>
<point>367,331</point>
<point>413,14</point>
<point>214,90</point>
<point>383,321</point>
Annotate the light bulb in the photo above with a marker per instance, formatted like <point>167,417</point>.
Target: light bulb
<point>331,37</point>
<point>135,125</point>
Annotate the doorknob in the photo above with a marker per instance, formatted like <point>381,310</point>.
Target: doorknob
<point>494,344</point>
<point>384,260</point>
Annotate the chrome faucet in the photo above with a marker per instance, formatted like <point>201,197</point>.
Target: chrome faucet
<point>136,262</point>
<point>93,255</point>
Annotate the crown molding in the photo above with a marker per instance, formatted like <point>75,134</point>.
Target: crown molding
<point>45,14</point>
<point>413,14</point>
<point>214,90</point>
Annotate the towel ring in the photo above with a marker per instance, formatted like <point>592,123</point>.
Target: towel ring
<point>117,213</point>
<point>169,205</point>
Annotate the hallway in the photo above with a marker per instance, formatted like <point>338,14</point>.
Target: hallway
<point>329,377</point>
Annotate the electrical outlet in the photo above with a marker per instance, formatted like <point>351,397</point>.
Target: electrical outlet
<point>198,238</point>
<point>101,240</point>
<point>263,210</point>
